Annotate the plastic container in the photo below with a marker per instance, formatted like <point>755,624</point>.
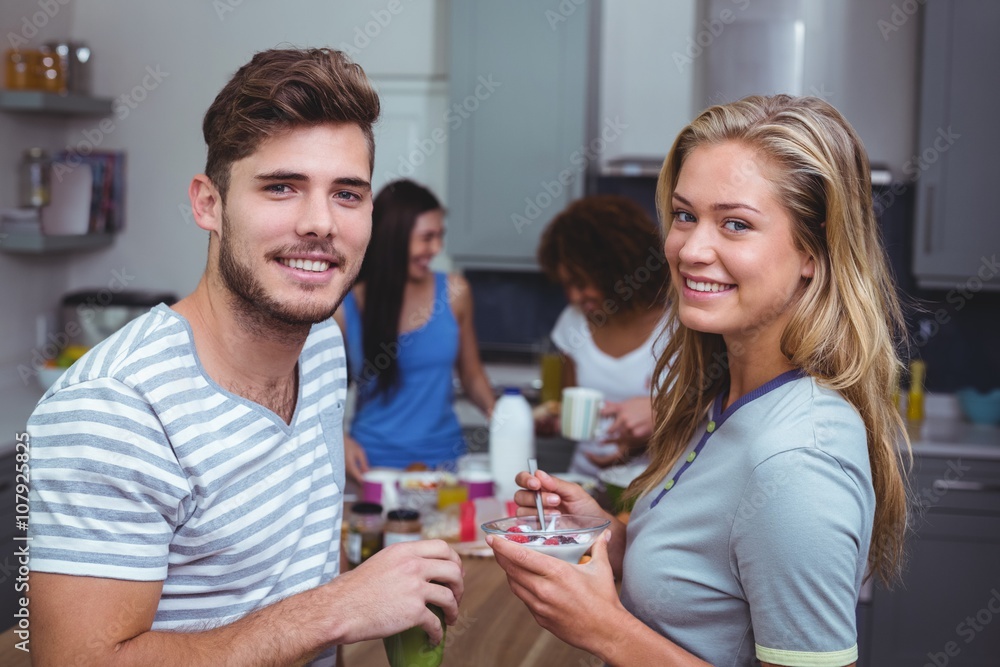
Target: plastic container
<point>512,441</point>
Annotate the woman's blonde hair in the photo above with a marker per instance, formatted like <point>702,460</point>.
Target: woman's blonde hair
<point>844,327</point>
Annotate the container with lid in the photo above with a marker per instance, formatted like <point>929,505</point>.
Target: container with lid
<point>36,178</point>
<point>364,532</point>
<point>401,526</point>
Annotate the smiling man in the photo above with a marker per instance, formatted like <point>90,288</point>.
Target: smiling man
<point>188,478</point>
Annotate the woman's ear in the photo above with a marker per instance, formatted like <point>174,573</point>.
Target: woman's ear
<point>808,266</point>
<point>206,203</point>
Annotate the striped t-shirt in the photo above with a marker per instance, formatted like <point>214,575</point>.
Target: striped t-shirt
<point>145,469</point>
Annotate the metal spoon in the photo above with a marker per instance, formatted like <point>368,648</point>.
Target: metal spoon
<point>533,468</point>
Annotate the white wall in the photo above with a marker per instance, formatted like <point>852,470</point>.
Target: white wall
<point>640,81</point>
<point>31,285</point>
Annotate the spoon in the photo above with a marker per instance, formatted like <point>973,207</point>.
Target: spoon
<point>533,468</point>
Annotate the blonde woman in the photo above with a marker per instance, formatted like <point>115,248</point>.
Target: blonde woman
<point>775,483</point>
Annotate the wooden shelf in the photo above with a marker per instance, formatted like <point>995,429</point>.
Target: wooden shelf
<point>36,101</point>
<point>38,244</point>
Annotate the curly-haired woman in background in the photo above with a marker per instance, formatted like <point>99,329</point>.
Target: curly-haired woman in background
<point>607,254</point>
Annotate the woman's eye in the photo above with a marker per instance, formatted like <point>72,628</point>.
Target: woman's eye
<point>736,225</point>
<point>683,216</point>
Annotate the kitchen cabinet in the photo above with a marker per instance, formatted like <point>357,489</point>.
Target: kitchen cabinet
<point>517,123</point>
<point>947,611</point>
<point>956,232</point>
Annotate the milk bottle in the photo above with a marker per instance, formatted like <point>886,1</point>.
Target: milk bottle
<point>512,441</point>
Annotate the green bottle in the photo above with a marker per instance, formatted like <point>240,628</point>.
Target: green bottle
<point>411,648</point>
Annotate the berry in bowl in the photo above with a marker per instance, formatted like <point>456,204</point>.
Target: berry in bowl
<point>565,536</point>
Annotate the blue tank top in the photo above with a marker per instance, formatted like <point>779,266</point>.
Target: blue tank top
<point>417,422</point>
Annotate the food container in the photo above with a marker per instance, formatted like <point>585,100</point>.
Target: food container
<point>401,526</point>
<point>980,408</point>
<point>364,532</point>
<point>616,479</point>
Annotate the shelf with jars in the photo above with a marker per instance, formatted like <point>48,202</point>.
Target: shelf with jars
<point>53,79</point>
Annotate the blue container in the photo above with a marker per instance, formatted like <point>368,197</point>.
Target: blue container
<point>980,408</point>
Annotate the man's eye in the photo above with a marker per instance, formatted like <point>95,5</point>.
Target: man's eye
<point>347,196</point>
<point>278,188</point>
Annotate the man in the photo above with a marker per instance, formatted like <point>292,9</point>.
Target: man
<point>187,473</point>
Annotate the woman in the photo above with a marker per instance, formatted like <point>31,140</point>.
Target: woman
<point>406,328</point>
<point>606,253</point>
<point>775,479</point>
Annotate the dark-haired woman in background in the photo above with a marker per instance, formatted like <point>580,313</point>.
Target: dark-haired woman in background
<point>406,329</point>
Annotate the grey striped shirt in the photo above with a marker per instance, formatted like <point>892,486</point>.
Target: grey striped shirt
<point>144,469</point>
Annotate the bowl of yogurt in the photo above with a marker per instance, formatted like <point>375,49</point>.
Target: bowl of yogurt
<point>564,536</point>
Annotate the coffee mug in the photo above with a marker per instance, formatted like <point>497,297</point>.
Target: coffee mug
<point>581,412</point>
<point>381,486</point>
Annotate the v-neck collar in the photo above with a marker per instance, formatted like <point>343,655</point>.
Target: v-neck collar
<point>717,417</point>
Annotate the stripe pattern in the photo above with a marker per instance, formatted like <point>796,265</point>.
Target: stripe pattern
<point>144,469</point>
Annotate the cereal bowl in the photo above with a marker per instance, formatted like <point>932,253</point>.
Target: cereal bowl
<point>564,536</point>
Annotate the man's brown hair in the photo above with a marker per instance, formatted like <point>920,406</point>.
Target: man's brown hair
<point>280,89</point>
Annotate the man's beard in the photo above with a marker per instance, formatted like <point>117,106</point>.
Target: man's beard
<point>256,309</point>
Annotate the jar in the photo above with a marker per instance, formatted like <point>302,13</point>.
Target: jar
<point>401,526</point>
<point>36,178</point>
<point>364,532</point>
<point>22,68</point>
<point>50,72</point>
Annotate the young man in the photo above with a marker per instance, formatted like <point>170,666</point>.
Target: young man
<point>188,472</point>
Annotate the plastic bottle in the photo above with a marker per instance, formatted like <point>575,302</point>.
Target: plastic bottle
<point>915,399</point>
<point>512,441</point>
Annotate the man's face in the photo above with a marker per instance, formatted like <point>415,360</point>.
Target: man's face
<point>296,223</point>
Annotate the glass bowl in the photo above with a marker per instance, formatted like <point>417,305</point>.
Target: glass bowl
<point>564,536</point>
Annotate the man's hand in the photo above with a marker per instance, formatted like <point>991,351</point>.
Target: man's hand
<point>388,593</point>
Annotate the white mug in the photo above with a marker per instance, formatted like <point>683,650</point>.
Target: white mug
<point>581,412</point>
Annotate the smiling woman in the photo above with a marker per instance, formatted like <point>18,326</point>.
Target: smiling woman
<point>775,482</point>
<point>407,329</point>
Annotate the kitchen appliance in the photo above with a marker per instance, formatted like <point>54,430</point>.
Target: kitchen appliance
<point>89,316</point>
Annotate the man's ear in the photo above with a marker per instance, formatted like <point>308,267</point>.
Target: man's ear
<point>206,203</point>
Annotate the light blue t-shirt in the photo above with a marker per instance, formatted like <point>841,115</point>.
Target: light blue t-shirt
<point>759,548</point>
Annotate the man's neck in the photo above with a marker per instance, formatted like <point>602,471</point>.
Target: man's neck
<point>252,360</point>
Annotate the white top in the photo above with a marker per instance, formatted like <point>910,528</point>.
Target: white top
<point>618,378</point>
<point>145,469</point>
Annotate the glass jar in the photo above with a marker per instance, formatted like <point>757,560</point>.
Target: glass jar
<point>50,72</point>
<point>36,178</point>
<point>22,69</point>
<point>401,526</point>
<point>364,532</point>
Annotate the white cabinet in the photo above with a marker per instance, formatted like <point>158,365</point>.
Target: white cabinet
<point>517,124</point>
<point>957,234</point>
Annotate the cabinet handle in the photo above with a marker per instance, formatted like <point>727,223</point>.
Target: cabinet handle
<point>959,485</point>
<point>929,219</point>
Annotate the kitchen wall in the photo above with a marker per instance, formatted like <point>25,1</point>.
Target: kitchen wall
<point>164,63</point>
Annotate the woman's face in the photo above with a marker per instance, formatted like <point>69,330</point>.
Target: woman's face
<point>426,241</point>
<point>730,246</point>
<point>581,294</point>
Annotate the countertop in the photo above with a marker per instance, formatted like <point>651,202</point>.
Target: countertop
<point>17,401</point>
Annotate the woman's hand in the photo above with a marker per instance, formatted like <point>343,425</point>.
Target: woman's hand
<point>577,603</point>
<point>557,496</point>
<point>633,420</point>
<point>355,459</point>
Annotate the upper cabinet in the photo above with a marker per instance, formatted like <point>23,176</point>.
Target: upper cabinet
<point>517,124</point>
<point>957,233</point>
